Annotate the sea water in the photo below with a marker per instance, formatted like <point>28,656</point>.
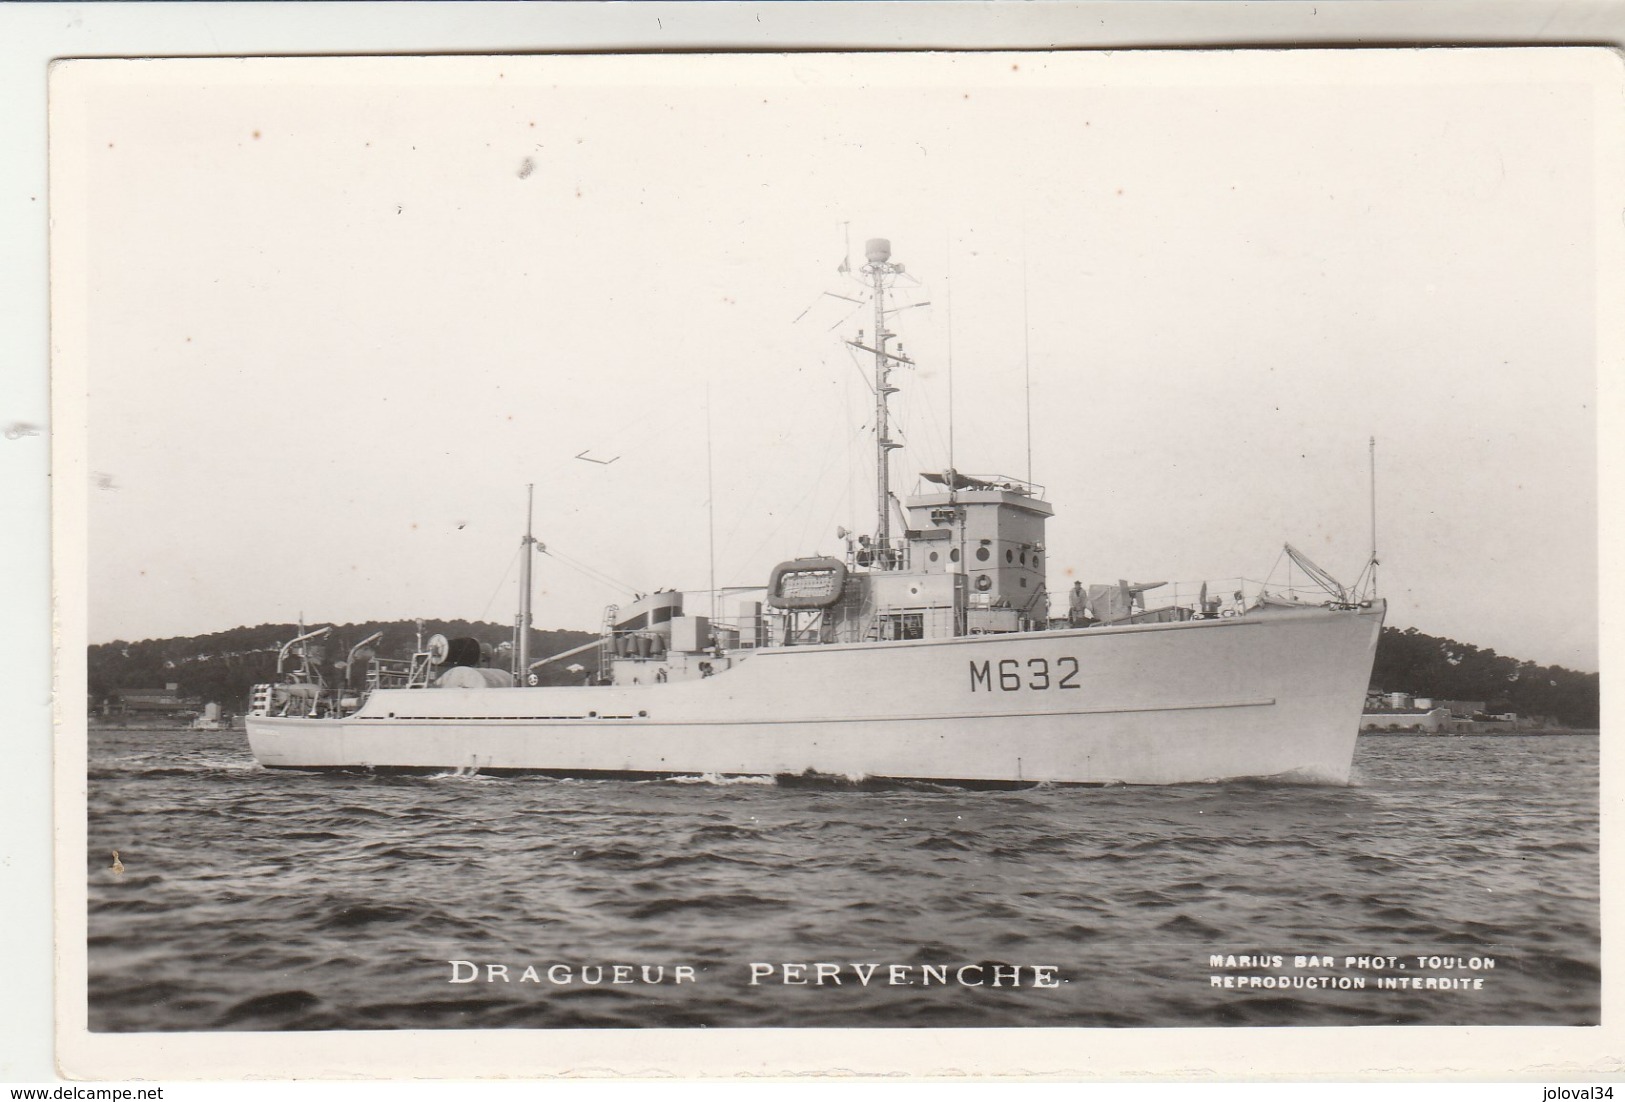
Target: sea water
<point>1455,883</point>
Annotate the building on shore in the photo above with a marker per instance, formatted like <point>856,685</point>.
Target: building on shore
<point>1400,711</point>
<point>153,703</point>
<point>1431,721</point>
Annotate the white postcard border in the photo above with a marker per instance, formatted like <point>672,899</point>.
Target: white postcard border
<point>1320,1053</point>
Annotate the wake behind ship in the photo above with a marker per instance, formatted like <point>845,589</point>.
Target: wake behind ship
<point>926,652</point>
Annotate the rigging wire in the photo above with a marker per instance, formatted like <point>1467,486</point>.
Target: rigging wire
<point>762,479</point>
<point>1277,565</point>
<point>592,573</point>
<point>821,295</point>
<point>924,413</point>
<point>832,449</point>
<point>743,511</point>
<point>848,317</point>
<point>504,581</point>
<point>853,356</point>
<point>801,501</point>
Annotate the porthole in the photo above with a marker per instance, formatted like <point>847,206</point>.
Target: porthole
<point>953,556</point>
<point>1009,555</point>
<point>1024,558</point>
<point>981,554</point>
<point>933,556</point>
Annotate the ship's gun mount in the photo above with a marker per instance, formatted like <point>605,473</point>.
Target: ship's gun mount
<point>1172,602</point>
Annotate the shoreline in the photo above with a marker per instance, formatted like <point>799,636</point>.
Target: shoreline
<point>1499,733</point>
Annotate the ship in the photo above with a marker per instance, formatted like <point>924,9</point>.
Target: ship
<point>926,652</point>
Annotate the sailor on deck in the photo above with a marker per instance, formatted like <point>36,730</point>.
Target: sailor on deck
<point>1078,607</point>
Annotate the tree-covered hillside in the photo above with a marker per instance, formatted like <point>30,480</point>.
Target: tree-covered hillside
<point>1426,665</point>
<point>223,667</point>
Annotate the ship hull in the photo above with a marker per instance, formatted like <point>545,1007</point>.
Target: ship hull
<point>1273,695</point>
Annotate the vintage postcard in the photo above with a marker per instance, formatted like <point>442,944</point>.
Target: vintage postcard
<point>1032,563</point>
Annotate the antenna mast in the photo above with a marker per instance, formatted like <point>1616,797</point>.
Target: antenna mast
<point>710,508</point>
<point>956,559</point>
<point>877,271</point>
<point>1373,566</point>
<point>522,621</point>
<point>1026,355</point>
<point>950,283</point>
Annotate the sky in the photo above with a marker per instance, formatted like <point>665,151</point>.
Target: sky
<point>338,313</point>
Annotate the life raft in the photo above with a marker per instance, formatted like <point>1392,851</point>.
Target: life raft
<point>816,582</point>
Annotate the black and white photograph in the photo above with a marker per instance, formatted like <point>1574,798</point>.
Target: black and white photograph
<point>764,547</point>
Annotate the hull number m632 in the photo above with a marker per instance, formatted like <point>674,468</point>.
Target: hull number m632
<point>1010,674</point>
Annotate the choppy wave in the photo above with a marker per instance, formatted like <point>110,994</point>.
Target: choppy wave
<point>259,900</point>
<point>715,779</point>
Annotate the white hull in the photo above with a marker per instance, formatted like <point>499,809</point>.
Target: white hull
<point>1274,695</point>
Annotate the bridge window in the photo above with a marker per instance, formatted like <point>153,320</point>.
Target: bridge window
<point>904,625</point>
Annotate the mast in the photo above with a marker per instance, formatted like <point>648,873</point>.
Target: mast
<point>1373,516</point>
<point>879,267</point>
<point>957,558</point>
<point>1026,355</point>
<point>710,509</point>
<point>950,282</point>
<point>522,621</point>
